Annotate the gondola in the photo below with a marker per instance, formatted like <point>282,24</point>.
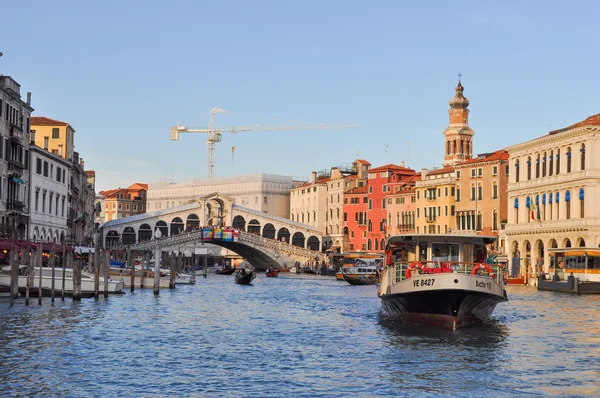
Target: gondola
<point>272,272</point>
<point>224,270</point>
<point>244,278</point>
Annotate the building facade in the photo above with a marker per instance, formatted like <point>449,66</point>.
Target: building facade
<point>122,202</point>
<point>49,199</point>
<point>435,201</point>
<point>15,117</point>
<point>54,136</point>
<point>266,193</point>
<point>356,206</point>
<point>553,195</point>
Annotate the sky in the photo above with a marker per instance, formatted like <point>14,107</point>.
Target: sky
<point>123,72</point>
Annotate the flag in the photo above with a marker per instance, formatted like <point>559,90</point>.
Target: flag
<point>533,211</point>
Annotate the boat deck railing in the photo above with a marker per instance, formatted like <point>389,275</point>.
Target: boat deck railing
<point>436,267</point>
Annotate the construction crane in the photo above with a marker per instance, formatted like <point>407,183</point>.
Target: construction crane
<point>215,133</point>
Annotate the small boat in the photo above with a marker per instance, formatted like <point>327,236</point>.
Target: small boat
<point>572,270</point>
<point>441,279</point>
<point>87,280</point>
<point>185,279</point>
<point>143,278</point>
<point>245,278</point>
<point>272,272</point>
<point>370,279</point>
<point>223,270</point>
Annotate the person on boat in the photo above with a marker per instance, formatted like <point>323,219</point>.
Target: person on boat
<point>244,266</point>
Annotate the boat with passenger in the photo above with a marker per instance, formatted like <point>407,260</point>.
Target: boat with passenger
<point>572,270</point>
<point>441,279</point>
<point>272,272</point>
<point>364,275</point>
<point>353,261</point>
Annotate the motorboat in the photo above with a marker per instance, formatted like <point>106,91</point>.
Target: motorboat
<point>143,278</point>
<point>87,280</point>
<point>272,272</point>
<point>352,263</point>
<point>185,279</point>
<point>245,278</point>
<point>368,275</point>
<point>572,270</point>
<point>441,279</point>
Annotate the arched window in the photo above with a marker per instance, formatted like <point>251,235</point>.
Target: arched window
<point>495,221</point>
<point>468,149</point>
<point>537,166</point>
<point>568,160</point>
<point>448,150</point>
<point>369,242</point>
<point>517,171</point>
<point>454,147</point>
<point>462,146</point>
<point>516,210</point>
<point>529,168</point>
<point>568,203</point>
<point>376,244</point>
<point>557,201</point>
<point>582,156</point>
<point>528,205</point>
<point>581,203</point>
<point>543,211</point>
<point>551,164</point>
<point>557,161</point>
<point>550,205</point>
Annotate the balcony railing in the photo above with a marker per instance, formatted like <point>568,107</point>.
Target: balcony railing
<point>430,219</point>
<point>16,132</point>
<point>15,205</point>
<point>16,167</point>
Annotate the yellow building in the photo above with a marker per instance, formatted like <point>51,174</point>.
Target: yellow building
<point>54,136</point>
<point>435,201</point>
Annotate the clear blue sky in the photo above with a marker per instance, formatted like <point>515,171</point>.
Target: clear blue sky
<point>122,72</point>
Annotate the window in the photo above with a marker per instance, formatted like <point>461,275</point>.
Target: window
<point>581,203</point>
<point>495,221</point>
<point>472,173</point>
<point>458,174</point>
<point>557,161</point>
<point>38,165</point>
<point>529,168</point>
<point>472,192</point>
<point>56,207</point>
<point>568,160</point>
<point>551,164</point>
<point>480,172</point>
<point>46,141</point>
<point>479,192</point>
<point>495,191</point>
<point>495,170</point>
<point>582,156</point>
<point>458,194</point>
<point>45,169</point>
<point>55,133</point>
<point>516,171</point>
<point>370,204</point>
<point>370,189</point>
<point>37,199</point>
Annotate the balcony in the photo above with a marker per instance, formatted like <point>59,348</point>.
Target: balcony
<point>430,220</point>
<point>16,167</point>
<point>15,205</point>
<point>16,132</point>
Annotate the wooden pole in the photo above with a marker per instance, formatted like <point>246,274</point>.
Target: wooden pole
<point>97,251</point>
<point>76,266</point>
<point>29,272</point>
<point>132,264</point>
<point>53,265</point>
<point>157,256</point>
<point>14,272</point>
<point>173,264</point>
<point>64,273</point>
<point>205,265</point>
<point>106,273</point>
<point>40,257</point>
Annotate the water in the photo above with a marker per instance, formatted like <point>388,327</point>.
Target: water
<point>300,336</point>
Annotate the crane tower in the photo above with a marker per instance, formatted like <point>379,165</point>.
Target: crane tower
<point>215,133</point>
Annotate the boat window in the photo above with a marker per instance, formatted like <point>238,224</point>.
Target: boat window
<point>575,262</point>
<point>444,252</point>
<point>422,251</point>
<point>593,262</point>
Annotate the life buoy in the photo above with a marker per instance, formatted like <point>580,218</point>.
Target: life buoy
<point>411,267</point>
<point>476,269</point>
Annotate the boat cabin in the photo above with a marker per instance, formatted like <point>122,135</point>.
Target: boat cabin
<point>581,262</point>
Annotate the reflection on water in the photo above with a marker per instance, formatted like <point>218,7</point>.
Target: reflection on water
<point>304,336</point>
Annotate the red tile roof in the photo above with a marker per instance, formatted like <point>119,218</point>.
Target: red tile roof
<point>447,169</point>
<point>487,157</point>
<point>362,161</point>
<point>590,121</point>
<point>357,191</point>
<point>390,166</point>
<point>46,121</point>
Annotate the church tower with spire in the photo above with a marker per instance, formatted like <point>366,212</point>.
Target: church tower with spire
<point>458,136</point>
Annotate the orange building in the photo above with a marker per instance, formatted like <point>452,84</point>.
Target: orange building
<point>123,202</point>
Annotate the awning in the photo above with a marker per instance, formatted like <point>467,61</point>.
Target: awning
<point>332,249</point>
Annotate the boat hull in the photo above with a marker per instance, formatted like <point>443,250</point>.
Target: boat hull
<point>245,279</point>
<point>87,283</point>
<point>361,280</point>
<point>450,309</point>
<point>272,274</point>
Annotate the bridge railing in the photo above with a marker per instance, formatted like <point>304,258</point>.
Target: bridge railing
<point>257,240</point>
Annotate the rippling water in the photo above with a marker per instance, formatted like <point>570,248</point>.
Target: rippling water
<point>294,336</point>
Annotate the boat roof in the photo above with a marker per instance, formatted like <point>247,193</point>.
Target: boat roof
<point>575,250</point>
<point>450,238</point>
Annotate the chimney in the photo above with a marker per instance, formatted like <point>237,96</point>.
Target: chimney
<point>314,177</point>
<point>402,163</point>
<point>29,98</point>
<point>423,173</point>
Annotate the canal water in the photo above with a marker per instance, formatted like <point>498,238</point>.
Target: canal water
<point>294,336</point>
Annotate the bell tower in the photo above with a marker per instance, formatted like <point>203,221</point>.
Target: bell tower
<point>458,136</point>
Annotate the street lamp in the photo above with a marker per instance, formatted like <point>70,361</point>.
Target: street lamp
<point>157,236</point>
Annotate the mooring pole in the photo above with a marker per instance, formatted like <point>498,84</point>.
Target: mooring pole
<point>132,264</point>
<point>53,265</point>
<point>40,256</point>
<point>63,272</point>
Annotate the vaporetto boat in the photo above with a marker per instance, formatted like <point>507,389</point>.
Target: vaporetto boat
<point>443,280</point>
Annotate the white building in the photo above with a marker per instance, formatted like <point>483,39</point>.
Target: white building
<point>266,193</point>
<point>49,199</point>
<point>15,116</point>
<point>553,195</point>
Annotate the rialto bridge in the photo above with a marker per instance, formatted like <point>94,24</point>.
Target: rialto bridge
<point>264,239</point>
